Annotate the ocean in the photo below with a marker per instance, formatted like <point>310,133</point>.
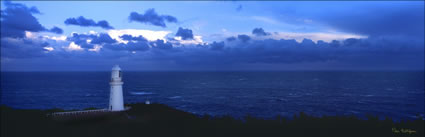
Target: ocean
<point>398,94</point>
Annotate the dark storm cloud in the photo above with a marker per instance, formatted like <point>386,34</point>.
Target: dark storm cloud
<point>56,30</point>
<point>151,17</point>
<point>308,42</point>
<point>358,53</point>
<point>22,48</point>
<point>87,41</point>
<point>244,38</point>
<point>131,38</point>
<point>17,18</point>
<point>102,39</point>
<point>137,46</point>
<point>184,33</point>
<point>83,39</point>
<point>81,21</point>
<point>369,53</point>
<point>161,44</point>
<point>381,53</point>
<point>130,46</point>
<point>260,32</point>
<point>231,38</point>
<point>217,46</point>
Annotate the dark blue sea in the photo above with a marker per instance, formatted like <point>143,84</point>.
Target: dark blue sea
<point>399,95</point>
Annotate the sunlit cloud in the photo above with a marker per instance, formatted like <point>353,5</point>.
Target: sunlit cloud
<point>148,34</point>
<point>49,48</point>
<point>30,35</point>
<point>315,36</point>
<point>96,48</point>
<point>73,47</point>
<point>194,41</point>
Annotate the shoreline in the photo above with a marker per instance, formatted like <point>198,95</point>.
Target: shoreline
<point>162,120</point>
<point>363,116</point>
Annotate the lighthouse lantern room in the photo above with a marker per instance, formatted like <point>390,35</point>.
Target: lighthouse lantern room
<point>116,101</point>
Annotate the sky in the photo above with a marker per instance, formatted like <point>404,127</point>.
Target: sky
<point>212,35</point>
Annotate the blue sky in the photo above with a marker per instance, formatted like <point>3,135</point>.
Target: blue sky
<point>211,35</point>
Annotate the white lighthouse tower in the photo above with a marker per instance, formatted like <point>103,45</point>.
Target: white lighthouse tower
<point>116,101</point>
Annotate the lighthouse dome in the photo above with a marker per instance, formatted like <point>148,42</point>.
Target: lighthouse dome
<point>116,67</point>
<point>116,74</point>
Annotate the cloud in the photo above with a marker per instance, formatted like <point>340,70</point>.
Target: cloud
<point>82,40</point>
<point>72,46</point>
<point>315,36</point>
<point>103,38</point>
<point>161,44</point>
<point>217,46</point>
<point>56,30</point>
<point>243,52</point>
<point>97,41</point>
<point>23,48</point>
<point>372,38</point>
<point>131,38</point>
<point>194,41</point>
<point>148,34</point>
<point>130,46</point>
<point>48,48</point>
<point>81,21</point>
<point>231,38</point>
<point>17,18</point>
<point>185,34</point>
<point>89,41</point>
<point>347,54</point>
<point>244,38</point>
<point>308,42</point>
<point>260,32</point>
<point>151,17</point>
<point>287,54</point>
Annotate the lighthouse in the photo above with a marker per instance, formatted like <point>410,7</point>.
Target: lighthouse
<point>116,101</point>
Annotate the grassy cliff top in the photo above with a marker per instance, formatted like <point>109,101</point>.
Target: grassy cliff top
<point>157,120</point>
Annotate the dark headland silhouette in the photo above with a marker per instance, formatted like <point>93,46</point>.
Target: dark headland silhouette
<point>157,120</point>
